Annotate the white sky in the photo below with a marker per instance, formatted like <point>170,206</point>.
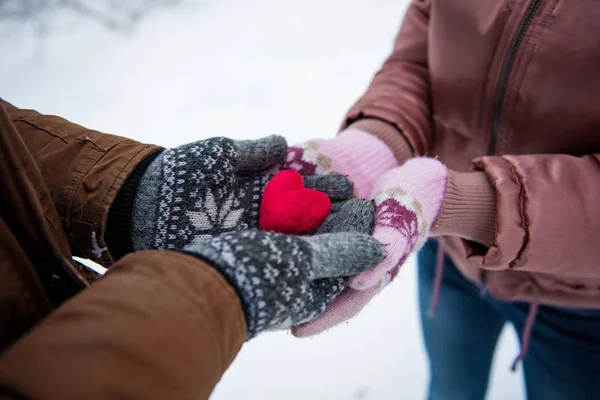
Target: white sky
<point>245,69</point>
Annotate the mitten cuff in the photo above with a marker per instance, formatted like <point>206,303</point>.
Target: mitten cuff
<point>118,226</point>
<point>387,133</point>
<point>469,208</point>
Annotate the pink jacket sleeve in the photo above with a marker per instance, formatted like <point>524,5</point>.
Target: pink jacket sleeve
<point>547,214</point>
<point>399,93</point>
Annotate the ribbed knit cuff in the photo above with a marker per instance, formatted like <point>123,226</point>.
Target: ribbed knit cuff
<point>469,208</point>
<point>387,133</point>
<point>118,225</point>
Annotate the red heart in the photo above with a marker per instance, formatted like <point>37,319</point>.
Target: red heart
<point>288,207</point>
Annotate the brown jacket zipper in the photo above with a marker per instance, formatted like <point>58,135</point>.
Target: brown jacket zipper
<point>506,70</point>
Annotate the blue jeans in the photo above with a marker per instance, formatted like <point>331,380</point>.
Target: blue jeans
<point>563,361</point>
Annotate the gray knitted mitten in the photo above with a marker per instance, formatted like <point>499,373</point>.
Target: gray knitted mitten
<point>202,189</point>
<point>354,215</point>
<point>280,278</point>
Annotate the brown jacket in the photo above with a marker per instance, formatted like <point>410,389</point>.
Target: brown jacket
<point>158,325</point>
<point>511,89</point>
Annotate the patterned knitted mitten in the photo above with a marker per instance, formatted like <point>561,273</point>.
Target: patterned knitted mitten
<point>354,215</point>
<point>356,154</point>
<point>408,200</point>
<point>286,280</point>
<point>193,192</point>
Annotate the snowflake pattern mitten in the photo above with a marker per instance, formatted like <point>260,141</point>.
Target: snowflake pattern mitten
<point>203,189</point>
<point>287,280</point>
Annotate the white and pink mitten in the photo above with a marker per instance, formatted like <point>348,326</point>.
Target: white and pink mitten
<point>408,200</point>
<point>356,154</point>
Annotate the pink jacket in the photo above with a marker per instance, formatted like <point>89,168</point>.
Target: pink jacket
<point>507,94</point>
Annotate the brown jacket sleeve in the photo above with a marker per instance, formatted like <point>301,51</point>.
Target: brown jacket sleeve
<point>159,325</point>
<point>83,171</point>
<point>399,93</point>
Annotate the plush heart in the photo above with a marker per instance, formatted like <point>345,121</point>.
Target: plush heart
<point>288,207</point>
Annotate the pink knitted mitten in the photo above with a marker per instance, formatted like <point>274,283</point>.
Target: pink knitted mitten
<point>358,155</point>
<point>408,200</point>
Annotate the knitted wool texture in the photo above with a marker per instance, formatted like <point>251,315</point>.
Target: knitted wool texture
<point>286,280</point>
<point>193,192</point>
<point>288,207</point>
<point>407,200</point>
<point>358,155</point>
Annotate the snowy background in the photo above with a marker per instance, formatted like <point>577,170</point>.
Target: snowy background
<point>245,69</point>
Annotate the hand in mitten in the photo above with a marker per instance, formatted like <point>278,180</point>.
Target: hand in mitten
<point>286,280</point>
<point>407,200</point>
<point>356,154</point>
<point>356,215</point>
<point>202,189</point>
